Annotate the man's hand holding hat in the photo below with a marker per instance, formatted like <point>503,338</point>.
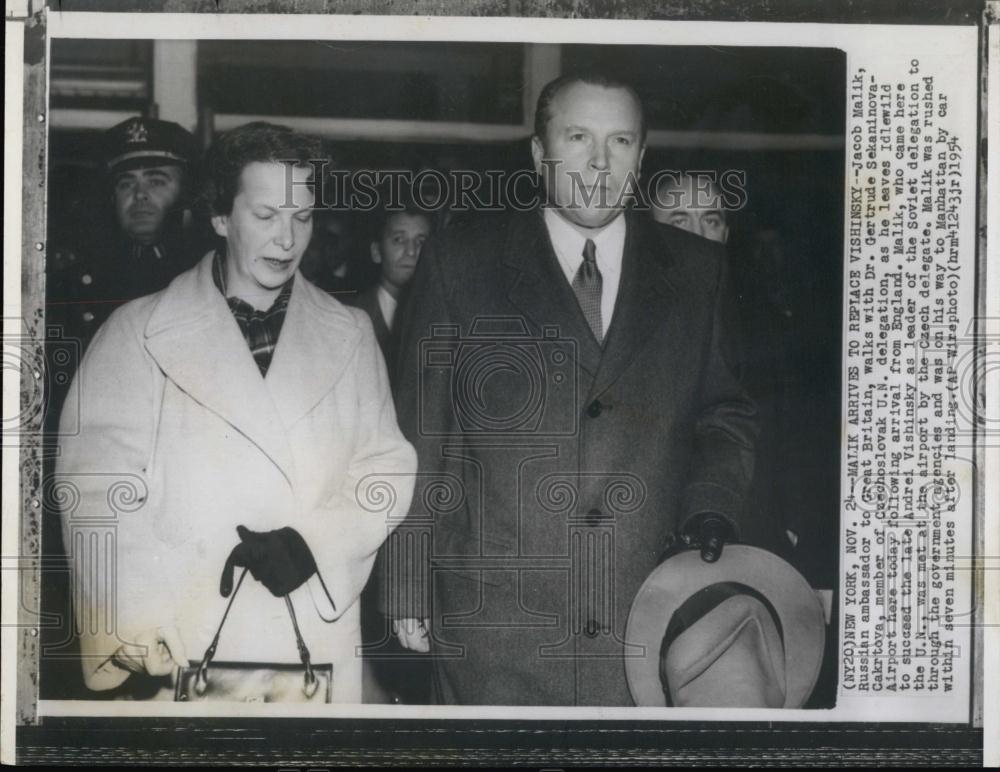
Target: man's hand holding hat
<point>708,533</point>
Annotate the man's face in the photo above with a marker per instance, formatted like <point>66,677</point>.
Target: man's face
<point>143,199</point>
<point>398,250</point>
<point>696,208</point>
<point>265,233</point>
<point>592,146</point>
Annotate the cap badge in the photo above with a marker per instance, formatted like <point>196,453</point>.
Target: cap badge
<point>137,133</point>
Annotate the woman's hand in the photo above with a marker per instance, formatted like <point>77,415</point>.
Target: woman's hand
<point>413,634</point>
<point>280,560</point>
<point>155,652</point>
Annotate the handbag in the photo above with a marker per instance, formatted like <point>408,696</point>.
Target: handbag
<point>255,681</point>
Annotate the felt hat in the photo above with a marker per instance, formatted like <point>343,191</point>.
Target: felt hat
<point>745,631</point>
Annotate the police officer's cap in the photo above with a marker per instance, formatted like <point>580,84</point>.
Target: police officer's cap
<point>143,141</point>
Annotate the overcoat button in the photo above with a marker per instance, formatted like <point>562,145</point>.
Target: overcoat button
<point>594,408</point>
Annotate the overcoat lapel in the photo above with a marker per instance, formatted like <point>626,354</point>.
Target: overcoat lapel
<point>538,288</point>
<point>317,341</point>
<point>647,301</point>
<point>196,342</point>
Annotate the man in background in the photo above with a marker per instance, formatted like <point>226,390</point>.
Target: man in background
<point>694,202</point>
<point>391,674</point>
<point>395,250</point>
<point>334,260</point>
<point>142,242</point>
<point>691,204</point>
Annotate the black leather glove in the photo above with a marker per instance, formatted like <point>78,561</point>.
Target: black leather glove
<point>708,533</point>
<point>280,560</point>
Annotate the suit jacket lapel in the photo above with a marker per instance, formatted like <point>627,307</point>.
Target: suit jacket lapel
<point>195,340</point>
<point>539,288</point>
<point>646,299</point>
<point>316,343</point>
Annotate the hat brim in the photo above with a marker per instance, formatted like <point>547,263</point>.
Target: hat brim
<point>139,157</point>
<point>675,580</point>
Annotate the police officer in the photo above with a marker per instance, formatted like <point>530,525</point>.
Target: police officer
<point>141,243</point>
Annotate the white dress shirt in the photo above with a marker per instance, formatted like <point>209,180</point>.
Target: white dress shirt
<point>387,305</point>
<point>610,243</point>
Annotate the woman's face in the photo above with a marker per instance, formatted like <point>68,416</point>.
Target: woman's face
<point>267,230</point>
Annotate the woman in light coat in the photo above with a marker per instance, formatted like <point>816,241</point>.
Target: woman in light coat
<point>200,410</point>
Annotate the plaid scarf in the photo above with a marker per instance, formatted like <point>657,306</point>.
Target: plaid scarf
<point>260,328</point>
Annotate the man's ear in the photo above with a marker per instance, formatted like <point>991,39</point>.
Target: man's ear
<point>220,224</point>
<point>537,153</point>
<point>725,234</point>
<point>375,253</point>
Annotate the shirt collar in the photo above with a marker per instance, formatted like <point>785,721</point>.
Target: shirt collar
<point>150,251</point>
<point>568,241</point>
<point>387,304</point>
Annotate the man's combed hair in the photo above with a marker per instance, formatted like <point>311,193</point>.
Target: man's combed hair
<point>256,142</point>
<point>543,110</point>
<point>382,217</point>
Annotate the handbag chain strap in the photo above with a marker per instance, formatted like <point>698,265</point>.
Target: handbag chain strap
<point>311,684</point>
<point>310,677</point>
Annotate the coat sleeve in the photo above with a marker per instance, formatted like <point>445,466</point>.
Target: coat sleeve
<point>425,416</point>
<point>100,488</point>
<point>345,534</point>
<point>725,426</point>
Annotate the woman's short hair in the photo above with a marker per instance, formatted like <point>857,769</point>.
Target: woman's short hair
<point>257,142</point>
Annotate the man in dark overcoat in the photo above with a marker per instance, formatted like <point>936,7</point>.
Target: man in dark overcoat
<point>568,376</point>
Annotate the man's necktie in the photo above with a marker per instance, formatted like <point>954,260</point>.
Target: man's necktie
<point>587,286</point>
